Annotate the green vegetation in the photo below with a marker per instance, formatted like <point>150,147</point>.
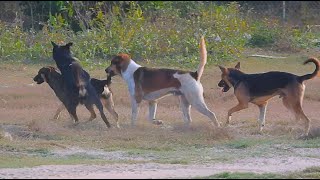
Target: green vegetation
<point>308,173</point>
<point>157,32</point>
<point>244,175</point>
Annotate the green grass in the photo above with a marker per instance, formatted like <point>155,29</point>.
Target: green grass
<point>243,175</point>
<point>20,161</point>
<point>308,173</point>
<point>310,143</point>
<point>246,143</point>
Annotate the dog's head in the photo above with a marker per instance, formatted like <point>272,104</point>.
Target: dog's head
<point>43,74</point>
<point>225,82</point>
<point>60,53</point>
<point>118,64</point>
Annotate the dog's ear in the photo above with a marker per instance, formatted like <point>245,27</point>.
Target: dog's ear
<point>44,77</point>
<point>223,69</point>
<point>69,44</point>
<point>237,66</point>
<point>54,44</point>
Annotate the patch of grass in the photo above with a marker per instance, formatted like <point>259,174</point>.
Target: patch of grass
<point>20,161</point>
<point>310,143</point>
<point>242,143</point>
<point>308,173</point>
<point>243,175</point>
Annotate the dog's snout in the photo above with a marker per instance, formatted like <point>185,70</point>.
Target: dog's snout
<point>221,84</point>
<point>107,70</point>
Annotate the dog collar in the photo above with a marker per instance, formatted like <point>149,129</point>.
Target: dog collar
<point>236,84</point>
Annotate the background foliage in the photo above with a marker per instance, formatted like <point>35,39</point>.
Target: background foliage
<point>165,32</point>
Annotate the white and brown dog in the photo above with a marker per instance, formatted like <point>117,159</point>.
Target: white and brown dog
<point>151,84</point>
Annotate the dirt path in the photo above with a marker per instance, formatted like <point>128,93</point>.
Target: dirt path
<point>153,170</point>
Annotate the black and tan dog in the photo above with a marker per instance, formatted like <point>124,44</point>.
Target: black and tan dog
<point>259,88</point>
<point>79,88</point>
<point>55,81</point>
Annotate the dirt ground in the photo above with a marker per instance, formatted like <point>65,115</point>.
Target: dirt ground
<point>26,109</point>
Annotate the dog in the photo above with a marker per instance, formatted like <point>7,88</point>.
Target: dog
<point>54,79</point>
<point>151,84</point>
<point>79,88</point>
<point>259,88</point>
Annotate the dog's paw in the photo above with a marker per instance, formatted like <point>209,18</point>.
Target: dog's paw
<point>303,137</point>
<point>157,122</point>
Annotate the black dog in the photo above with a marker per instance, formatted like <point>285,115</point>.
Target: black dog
<point>79,88</point>
<point>55,81</point>
<point>259,88</point>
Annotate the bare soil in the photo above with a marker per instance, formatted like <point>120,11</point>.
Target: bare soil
<point>26,109</point>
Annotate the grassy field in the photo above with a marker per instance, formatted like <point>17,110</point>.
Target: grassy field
<point>29,136</point>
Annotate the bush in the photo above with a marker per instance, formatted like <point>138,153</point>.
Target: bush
<point>263,36</point>
<point>157,32</point>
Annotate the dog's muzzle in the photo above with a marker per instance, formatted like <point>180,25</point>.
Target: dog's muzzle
<point>109,71</point>
<point>38,79</point>
<point>224,86</point>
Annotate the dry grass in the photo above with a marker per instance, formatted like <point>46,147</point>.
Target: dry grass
<point>33,106</point>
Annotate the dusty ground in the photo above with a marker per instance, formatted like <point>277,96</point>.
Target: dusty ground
<point>32,144</point>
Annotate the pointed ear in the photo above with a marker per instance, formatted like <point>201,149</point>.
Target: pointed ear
<point>223,69</point>
<point>69,44</point>
<point>53,44</point>
<point>237,66</point>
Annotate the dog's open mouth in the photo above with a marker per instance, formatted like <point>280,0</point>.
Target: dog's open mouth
<point>224,86</point>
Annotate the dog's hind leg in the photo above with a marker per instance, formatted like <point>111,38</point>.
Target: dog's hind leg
<point>58,112</point>
<point>293,101</point>
<point>262,116</point>
<point>91,110</point>
<point>103,116</point>
<point>202,108</point>
<point>152,113</point>
<point>185,107</point>
<point>195,97</point>
<point>109,104</point>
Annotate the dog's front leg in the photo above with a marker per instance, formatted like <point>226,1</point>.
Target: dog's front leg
<point>238,107</point>
<point>135,111</point>
<point>58,112</point>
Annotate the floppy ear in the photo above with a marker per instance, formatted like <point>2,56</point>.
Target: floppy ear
<point>53,44</point>
<point>43,76</point>
<point>69,44</point>
<point>237,66</point>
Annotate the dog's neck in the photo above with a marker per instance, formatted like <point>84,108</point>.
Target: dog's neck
<point>128,73</point>
<point>235,77</point>
<point>55,81</point>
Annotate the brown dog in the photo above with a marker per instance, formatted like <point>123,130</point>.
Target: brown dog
<point>259,88</point>
<point>54,79</point>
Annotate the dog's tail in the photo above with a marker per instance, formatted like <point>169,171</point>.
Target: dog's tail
<point>80,82</point>
<point>99,85</point>
<point>203,58</point>
<point>315,72</point>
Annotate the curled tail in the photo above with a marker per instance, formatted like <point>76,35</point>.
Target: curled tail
<point>99,85</point>
<point>203,58</point>
<point>315,72</point>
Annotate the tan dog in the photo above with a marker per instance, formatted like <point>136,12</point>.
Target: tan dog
<point>151,84</point>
